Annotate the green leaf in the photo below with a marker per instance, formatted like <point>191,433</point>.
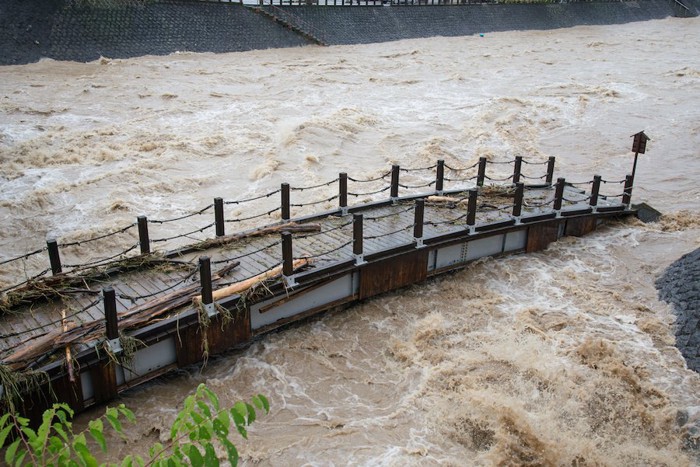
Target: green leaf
<point>10,453</point>
<point>3,434</point>
<point>213,398</point>
<point>3,419</point>
<point>239,420</point>
<point>195,456</point>
<point>96,431</point>
<point>85,454</point>
<point>220,429</point>
<point>241,408</point>
<point>251,413</point>
<point>198,419</point>
<point>19,458</point>
<point>204,433</point>
<point>114,420</point>
<point>231,451</point>
<point>210,459</point>
<point>58,428</point>
<point>128,414</point>
<point>204,408</point>
<point>55,445</point>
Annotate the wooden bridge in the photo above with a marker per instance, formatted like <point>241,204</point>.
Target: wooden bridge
<point>83,332</point>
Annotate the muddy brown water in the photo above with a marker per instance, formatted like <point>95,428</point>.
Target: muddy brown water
<point>562,357</point>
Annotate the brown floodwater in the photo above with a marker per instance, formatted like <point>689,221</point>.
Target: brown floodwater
<point>561,357</point>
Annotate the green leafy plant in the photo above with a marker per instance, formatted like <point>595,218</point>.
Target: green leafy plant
<point>200,427</point>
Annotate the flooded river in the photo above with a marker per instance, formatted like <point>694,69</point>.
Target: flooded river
<point>562,357</point>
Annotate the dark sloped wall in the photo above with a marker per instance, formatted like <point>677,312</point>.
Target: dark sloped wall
<point>60,29</point>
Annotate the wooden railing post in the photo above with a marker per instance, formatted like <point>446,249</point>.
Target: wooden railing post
<point>481,175</point>
<point>110,304</point>
<point>518,200</point>
<point>54,256</point>
<point>357,237</point>
<point>418,218</point>
<point>595,190</point>
<point>627,193</point>
<point>343,193</point>
<point>517,169</point>
<point>550,170</point>
<point>559,194</point>
<point>284,190</point>
<point>439,176</point>
<point>287,255</point>
<point>144,241</point>
<point>219,217</point>
<point>205,283</point>
<point>394,194</point>
<point>471,207</point>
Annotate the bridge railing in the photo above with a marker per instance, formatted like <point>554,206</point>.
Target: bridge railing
<point>84,253</point>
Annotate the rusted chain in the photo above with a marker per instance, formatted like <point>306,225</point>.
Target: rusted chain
<point>537,205</point>
<point>535,163</point>
<point>534,178</point>
<point>315,186</point>
<point>576,201</point>
<point>101,261</point>
<point>192,214</point>
<point>605,181</point>
<point>462,169</point>
<point>370,192</point>
<point>33,278</point>
<point>383,216</point>
<point>420,169</point>
<point>250,253</point>
<point>498,179</point>
<point>417,186</point>
<point>24,256</point>
<point>312,203</point>
<point>500,163</point>
<point>579,183</point>
<point>78,243</point>
<point>189,276</point>
<point>449,221</point>
<point>461,179</point>
<point>228,221</point>
<point>184,235</point>
<point>390,233</point>
<point>316,234</point>
<point>26,331</point>
<point>241,201</point>
<point>381,177</point>
<point>330,251</point>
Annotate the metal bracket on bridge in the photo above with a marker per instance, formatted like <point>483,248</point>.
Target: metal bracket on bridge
<point>210,309</point>
<point>359,260</point>
<point>114,345</point>
<point>344,211</point>
<point>290,281</point>
<point>517,220</point>
<point>419,242</point>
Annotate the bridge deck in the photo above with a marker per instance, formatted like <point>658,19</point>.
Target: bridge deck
<point>386,226</point>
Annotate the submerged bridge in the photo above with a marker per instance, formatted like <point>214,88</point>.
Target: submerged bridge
<point>83,332</point>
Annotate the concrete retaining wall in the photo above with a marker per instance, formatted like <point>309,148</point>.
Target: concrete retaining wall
<point>31,29</point>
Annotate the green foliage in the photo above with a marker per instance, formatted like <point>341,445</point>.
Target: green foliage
<point>199,428</point>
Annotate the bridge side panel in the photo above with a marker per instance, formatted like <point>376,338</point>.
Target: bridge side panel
<point>539,236</point>
<point>278,309</point>
<point>580,226</point>
<point>393,273</point>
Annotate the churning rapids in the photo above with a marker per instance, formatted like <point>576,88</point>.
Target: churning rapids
<point>563,357</point>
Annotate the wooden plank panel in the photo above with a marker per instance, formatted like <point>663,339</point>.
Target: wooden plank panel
<point>393,273</point>
<point>104,380</point>
<point>539,236</point>
<point>580,226</point>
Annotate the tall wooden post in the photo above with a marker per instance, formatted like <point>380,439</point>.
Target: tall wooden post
<point>418,218</point>
<point>595,190</point>
<point>559,193</point>
<point>471,207</point>
<point>144,241</point>
<point>205,280</point>
<point>518,199</point>
<point>481,174</point>
<point>627,193</point>
<point>110,304</point>
<point>219,217</point>
<point>439,176</point>
<point>394,182</point>
<point>343,192</point>
<point>54,256</point>
<point>550,170</point>
<point>284,190</point>
<point>287,254</point>
<point>517,169</point>
<point>357,237</point>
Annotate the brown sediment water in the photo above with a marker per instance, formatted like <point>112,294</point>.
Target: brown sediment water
<point>562,357</point>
